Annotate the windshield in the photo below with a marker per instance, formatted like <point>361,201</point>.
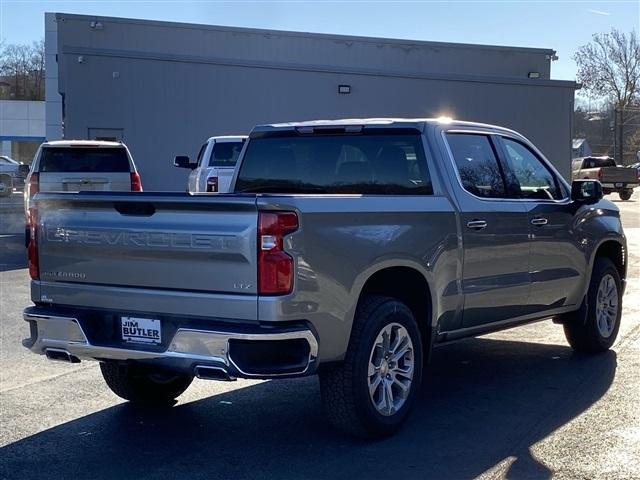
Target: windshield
<point>81,159</point>
<point>341,164</point>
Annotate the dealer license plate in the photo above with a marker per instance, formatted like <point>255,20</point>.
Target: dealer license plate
<point>618,185</point>
<point>141,330</point>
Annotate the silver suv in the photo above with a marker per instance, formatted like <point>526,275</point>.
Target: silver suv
<point>82,165</point>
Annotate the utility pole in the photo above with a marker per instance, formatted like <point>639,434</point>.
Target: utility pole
<point>615,131</point>
<point>621,134</point>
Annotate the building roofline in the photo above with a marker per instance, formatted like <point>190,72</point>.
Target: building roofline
<point>298,34</point>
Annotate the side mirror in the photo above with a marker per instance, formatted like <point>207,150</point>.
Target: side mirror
<point>183,161</point>
<point>588,191</point>
<point>24,170</point>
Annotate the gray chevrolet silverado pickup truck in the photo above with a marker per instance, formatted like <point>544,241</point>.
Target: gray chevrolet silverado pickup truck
<point>348,248</point>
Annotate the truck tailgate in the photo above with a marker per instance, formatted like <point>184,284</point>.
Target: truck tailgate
<point>162,241</point>
<point>619,175</point>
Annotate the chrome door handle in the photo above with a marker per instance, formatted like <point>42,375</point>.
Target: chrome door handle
<point>477,224</point>
<point>539,221</point>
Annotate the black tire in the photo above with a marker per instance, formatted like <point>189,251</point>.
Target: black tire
<point>625,194</point>
<point>143,385</point>
<point>344,387</point>
<point>8,186</point>
<point>581,329</point>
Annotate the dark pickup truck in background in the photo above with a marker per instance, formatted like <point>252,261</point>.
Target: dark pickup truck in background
<point>348,248</point>
<point>613,177</point>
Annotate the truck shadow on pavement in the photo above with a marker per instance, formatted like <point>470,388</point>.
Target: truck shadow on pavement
<point>484,401</point>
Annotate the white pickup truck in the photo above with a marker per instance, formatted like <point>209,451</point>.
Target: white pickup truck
<point>216,163</point>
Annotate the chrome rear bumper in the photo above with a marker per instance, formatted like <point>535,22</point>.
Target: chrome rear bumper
<point>62,338</point>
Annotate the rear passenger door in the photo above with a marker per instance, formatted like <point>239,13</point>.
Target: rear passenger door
<point>557,259</point>
<point>495,229</point>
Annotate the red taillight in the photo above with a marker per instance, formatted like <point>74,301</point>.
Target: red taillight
<point>275,266</point>
<point>32,248</point>
<point>212,184</point>
<point>136,182</point>
<point>33,185</point>
<point>600,174</point>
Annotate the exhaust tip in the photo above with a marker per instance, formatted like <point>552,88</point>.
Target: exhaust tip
<point>207,372</point>
<point>60,355</point>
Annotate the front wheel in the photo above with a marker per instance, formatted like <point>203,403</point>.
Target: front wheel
<point>373,391</point>
<point>595,330</point>
<point>143,385</point>
<point>625,194</point>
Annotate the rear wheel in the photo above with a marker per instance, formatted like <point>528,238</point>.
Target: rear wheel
<point>625,194</point>
<point>144,385</point>
<point>597,327</point>
<point>373,391</point>
<point>6,186</point>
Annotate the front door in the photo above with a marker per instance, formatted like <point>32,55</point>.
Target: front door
<point>495,234</point>
<point>557,260</point>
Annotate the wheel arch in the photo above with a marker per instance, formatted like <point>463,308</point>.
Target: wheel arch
<point>407,283</point>
<point>615,250</point>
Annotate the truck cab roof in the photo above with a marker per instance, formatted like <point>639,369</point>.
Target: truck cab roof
<point>382,122</point>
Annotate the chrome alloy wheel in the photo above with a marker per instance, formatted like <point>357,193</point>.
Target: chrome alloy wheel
<point>607,306</point>
<point>390,369</point>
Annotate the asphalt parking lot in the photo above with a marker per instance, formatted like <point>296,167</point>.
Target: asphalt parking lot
<point>517,404</point>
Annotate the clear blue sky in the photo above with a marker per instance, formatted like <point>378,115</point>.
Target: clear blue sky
<point>561,25</point>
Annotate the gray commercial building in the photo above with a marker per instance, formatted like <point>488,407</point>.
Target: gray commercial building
<point>165,87</point>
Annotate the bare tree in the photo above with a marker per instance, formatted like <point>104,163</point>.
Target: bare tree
<point>22,66</point>
<point>609,66</point>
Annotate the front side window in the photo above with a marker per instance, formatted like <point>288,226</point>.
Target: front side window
<point>533,179</point>
<point>370,163</point>
<point>225,154</point>
<point>477,164</point>
<point>201,153</point>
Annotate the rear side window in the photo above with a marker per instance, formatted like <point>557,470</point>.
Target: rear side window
<point>225,154</point>
<point>477,164</point>
<point>79,159</point>
<point>370,163</point>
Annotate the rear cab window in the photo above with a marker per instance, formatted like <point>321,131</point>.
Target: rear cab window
<point>225,154</point>
<point>593,162</point>
<point>84,159</point>
<point>370,162</point>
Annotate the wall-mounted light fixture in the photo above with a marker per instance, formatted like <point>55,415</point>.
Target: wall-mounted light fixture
<point>534,75</point>
<point>344,89</point>
<point>96,25</point>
